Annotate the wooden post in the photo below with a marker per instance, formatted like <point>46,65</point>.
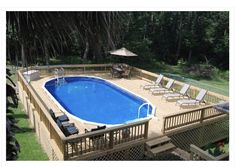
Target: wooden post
<point>111,139</point>
<point>202,115</point>
<point>64,151</point>
<point>50,131</point>
<point>146,128</point>
<point>164,124</point>
<point>191,155</point>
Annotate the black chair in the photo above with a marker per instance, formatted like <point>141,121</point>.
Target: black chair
<point>97,140</point>
<point>62,118</point>
<point>95,129</point>
<point>114,73</point>
<point>67,128</point>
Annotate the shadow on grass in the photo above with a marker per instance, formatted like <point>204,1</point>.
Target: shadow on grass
<point>25,130</point>
<point>11,105</point>
<point>19,116</point>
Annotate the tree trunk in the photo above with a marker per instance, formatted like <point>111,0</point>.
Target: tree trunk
<point>23,54</point>
<point>99,56</point>
<point>180,39</point>
<point>46,52</point>
<point>16,57</point>
<point>190,55</point>
<point>86,50</point>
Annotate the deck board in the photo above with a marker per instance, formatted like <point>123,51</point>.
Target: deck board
<point>163,148</point>
<point>153,143</point>
<point>133,84</point>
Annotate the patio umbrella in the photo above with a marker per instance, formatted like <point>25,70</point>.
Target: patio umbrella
<point>122,52</point>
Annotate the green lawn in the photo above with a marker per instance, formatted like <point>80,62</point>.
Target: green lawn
<point>29,144</point>
<point>214,85</point>
<point>218,84</point>
<point>30,149</point>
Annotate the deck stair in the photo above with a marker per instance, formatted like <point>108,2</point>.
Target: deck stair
<point>159,145</point>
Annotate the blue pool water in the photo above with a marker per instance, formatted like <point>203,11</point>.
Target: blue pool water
<point>97,101</point>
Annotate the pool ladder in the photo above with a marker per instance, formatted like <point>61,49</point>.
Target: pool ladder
<point>59,75</point>
<point>141,107</point>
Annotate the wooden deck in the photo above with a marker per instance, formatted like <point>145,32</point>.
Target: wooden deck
<point>133,84</point>
<point>169,119</point>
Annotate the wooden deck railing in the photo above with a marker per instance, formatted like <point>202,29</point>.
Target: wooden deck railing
<point>73,68</point>
<point>83,143</point>
<point>210,97</point>
<point>197,153</point>
<point>198,115</point>
<point>87,143</point>
<point>42,111</point>
<point>104,139</point>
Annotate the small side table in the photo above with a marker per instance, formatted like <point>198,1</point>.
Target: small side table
<point>31,75</point>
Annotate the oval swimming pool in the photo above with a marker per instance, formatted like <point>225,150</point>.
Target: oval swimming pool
<point>97,101</point>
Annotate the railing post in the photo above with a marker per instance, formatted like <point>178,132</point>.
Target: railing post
<point>191,155</point>
<point>164,124</point>
<point>202,115</point>
<point>111,139</point>
<point>146,128</point>
<point>64,150</point>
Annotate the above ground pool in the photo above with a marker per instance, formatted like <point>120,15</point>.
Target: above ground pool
<point>97,101</point>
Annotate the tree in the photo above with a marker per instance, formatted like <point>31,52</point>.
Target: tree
<point>196,37</point>
<point>12,144</point>
<point>46,33</point>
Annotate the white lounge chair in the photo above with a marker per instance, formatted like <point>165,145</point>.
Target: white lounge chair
<point>192,102</point>
<point>163,90</point>
<point>181,94</point>
<point>156,84</point>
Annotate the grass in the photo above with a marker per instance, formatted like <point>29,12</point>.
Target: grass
<point>30,149</point>
<point>29,144</point>
<point>218,83</point>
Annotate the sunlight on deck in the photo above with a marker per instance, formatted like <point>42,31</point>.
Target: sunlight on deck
<point>133,84</point>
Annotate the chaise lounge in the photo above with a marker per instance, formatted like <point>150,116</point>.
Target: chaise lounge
<point>156,84</point>
<point>181,94</point>
<point>167,88</point>
<point>192,102</point>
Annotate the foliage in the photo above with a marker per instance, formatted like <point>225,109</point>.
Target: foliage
<point>24,134</point>
<point>193,37</point>
<point>12,144</point>
<point>67,60</point>
<point>218,83</point>
<point>33,35</point>
<point>217,148</point>
<point>201,70</point>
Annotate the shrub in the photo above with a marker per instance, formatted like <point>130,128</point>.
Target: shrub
<point>201,70</point>
<point>12,144</point>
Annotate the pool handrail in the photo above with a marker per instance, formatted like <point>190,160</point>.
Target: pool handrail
<point>147,103</point>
